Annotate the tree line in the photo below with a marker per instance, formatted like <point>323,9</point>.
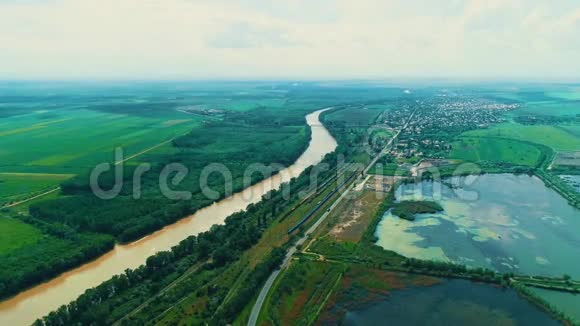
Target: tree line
<point>213,249</point>
<point>79,227</point>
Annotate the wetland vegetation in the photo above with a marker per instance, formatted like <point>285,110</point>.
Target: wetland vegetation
<point>485,224</point>
<point>450,302</point>
<point>396,242</point>
<point>409,208</point>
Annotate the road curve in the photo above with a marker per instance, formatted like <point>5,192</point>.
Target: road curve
<point>268,285</point>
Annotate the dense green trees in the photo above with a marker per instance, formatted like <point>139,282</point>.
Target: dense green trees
<point>265,125</point>
<point>251,284</point>
<point>234,145</point>
<point>95,307</point>
<point>80,226</point>
<point>265,135</point>
<point>451,269</point>
<point>407,209</point>
<point>213,249</point>
<point>49,257</point>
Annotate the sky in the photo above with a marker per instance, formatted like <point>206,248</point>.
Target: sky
<point>295,39</point>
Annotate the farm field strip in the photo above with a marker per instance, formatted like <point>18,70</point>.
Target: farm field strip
<point>15,186</point>
<point>46,153</point>
<point>475,149</point>
<point>550,136</point>
<point>16,234</point>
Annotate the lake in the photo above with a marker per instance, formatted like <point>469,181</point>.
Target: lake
<point>509,223</point>
<point>453,302</point>
<point>568,303</point>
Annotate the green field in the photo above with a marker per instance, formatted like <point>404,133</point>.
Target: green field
<point>557,108</point>
<point>38,154</point>
<point>356,116</point>
<point>79,139</point>
<point>551,136</point>
<point>533,93</point>
<point>16,234</point>
<point>476,149</point>
<point>573,94</point>
<point>391,169</point>
<point>55,134</point>
<point>382,133</point>
<point>15,186</point>
<point>555,100</point>
<point>301,292</point>
<point>572,129</point>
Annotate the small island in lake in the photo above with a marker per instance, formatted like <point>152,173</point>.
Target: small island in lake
<point>408,208</point>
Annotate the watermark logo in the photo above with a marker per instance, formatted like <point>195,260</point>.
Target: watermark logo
<point>175,181</point>
<point>427,179</point>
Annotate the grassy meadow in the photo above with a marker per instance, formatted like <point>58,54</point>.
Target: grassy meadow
<point>546,115</point>
<point>38,153</point>
<point>356,116</point>
<point>556,108</point>
<point>548,135</point>
<point>17,185</point>
<point>81,139</point>
<point>16,234</point>
<point>476,149</point>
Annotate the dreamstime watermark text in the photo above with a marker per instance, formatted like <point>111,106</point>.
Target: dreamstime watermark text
<point>425,180</point>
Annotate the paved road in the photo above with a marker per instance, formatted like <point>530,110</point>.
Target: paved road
<point>268,285</point>
<point>388,146</point>
<point>264,292</point>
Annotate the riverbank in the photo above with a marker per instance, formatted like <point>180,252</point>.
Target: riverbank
<point>39,300</point>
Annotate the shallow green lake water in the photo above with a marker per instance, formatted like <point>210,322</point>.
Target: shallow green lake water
<point>572,180</point>
<point>509,223</point>
<point>568,303</point>
<point>454,302</point>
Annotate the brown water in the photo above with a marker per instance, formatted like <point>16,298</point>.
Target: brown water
<point>38,301</point>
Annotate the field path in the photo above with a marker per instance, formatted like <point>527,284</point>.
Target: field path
<point>115,164</point>
<point>31,198</point>
<point>144,151</point>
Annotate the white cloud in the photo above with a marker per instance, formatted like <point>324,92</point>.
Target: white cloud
<point>301,39</point>
<point>244,35</point>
